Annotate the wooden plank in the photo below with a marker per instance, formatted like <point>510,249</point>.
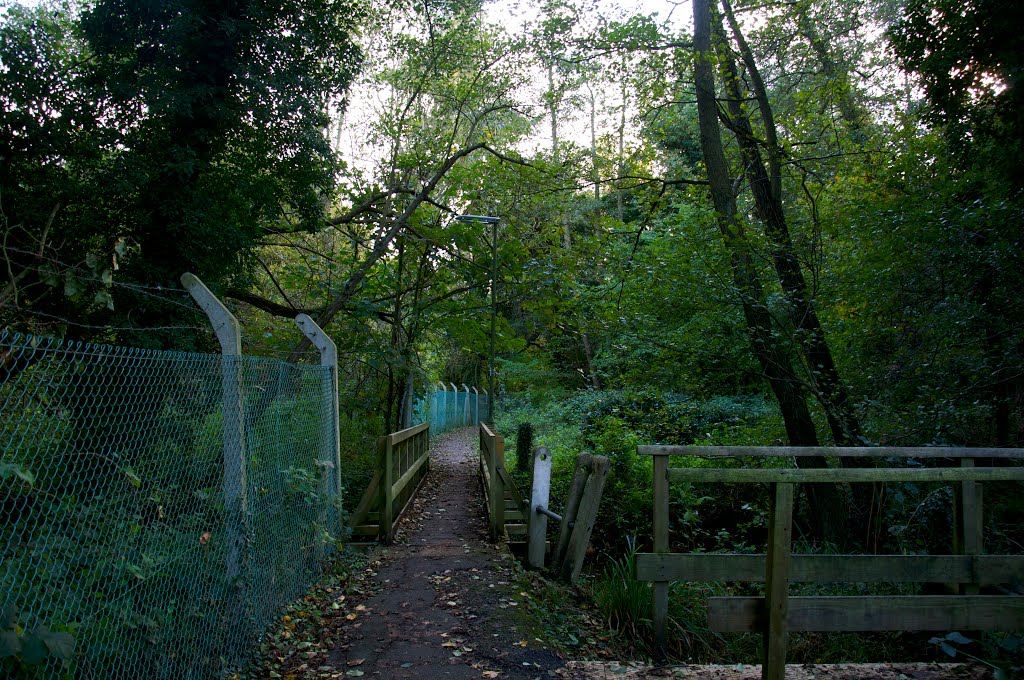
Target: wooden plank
<point>827,451</point>
<point>795,475</point>
<point>399,486</point>
<point>776,589</point>
<point>366,530</point>
<point>878,613</point>
<point>589,506</point>
<point>983,569</point>
<point>408,433</point>
<point>584,463</point>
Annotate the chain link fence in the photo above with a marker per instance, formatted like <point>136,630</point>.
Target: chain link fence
<point>448,410</point>
<point>127,551</point>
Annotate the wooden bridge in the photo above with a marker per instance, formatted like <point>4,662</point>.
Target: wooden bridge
<point>404,461</point>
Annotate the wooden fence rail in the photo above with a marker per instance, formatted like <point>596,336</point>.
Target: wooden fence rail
<point>506,510</point>
<point>776,613</point>
<point>403,462</point>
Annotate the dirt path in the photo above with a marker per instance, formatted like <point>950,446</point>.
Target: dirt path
<point>446,606</point>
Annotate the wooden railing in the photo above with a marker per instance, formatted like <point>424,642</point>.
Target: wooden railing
<point>776,613</point>
<point>499,490</point>
<point>403,462</point>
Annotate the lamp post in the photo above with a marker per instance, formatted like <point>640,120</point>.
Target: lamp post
<point>493,221</point>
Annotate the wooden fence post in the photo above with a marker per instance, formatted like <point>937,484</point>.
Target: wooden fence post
<point>537,523</point>
<point>967,521</point>
<point>498,485</point>
<point>584,464</point>
<point>387,483</point>
<point>585,519</point>
<point>661,545</point>
<point>776,585</point>
<point>236,510</point>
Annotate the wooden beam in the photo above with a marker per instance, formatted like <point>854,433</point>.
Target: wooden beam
<point>830,451</point>
<point>409,474</point>
<point>408,433</point>
<point>876,613</point>
<point>852,475</point>
<point>584,463</point>
<point>776,589</point>
<point>983,569</point>
<point>589,506</point>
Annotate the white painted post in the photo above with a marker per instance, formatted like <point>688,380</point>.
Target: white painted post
<point>465,408</point>
<point>537,523</point>
<point>225,325</point>
<point>330,456</point>
<point>476,406</point>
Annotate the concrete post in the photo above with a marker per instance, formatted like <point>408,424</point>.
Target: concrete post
<point>331,447</point>
<point>476,407</point>
<point>444,410</point>
<point>225,325</point>
<point>465,408</point>
<point>455,404</point>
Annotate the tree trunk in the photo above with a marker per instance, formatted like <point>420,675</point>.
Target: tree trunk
<point>766,189</point>
<point>827,511</point>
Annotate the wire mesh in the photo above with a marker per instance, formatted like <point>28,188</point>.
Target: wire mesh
<point>126,551</point>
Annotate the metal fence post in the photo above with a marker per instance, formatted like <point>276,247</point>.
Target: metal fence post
<point>476,407</point>
<point>465,407</point>
<point>236,519</point>
<point>331,455</point>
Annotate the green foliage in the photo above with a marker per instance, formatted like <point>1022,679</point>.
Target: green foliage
<point>524,446</point>
<point>150,139</point>
<point>626,605</point>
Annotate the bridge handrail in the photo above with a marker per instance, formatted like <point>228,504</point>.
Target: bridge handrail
<point>776,613</point>
<point>492,465</point>
<point>403,459</point>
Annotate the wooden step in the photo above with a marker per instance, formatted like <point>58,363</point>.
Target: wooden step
<point>366,530</point>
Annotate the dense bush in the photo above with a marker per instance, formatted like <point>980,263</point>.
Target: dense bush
<point>613,424</point>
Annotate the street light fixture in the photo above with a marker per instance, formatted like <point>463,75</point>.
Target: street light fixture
<point>493,221</point>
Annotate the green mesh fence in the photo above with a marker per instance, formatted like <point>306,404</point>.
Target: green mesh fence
<point>450,410</point>
<point>120,556</point>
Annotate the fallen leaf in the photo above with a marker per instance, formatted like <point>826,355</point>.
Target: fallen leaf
<point>355,662</point>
